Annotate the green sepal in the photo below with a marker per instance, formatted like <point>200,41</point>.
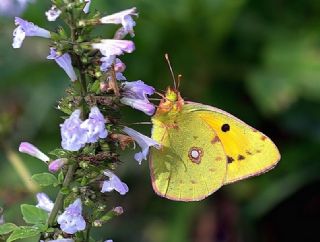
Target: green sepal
<point>60,153</point>
<point>61,177</point>
<point>33,215</point>
<point>7,228</point>
<point>65,191</point>
<point>95,87</point>
<point>45,179</point>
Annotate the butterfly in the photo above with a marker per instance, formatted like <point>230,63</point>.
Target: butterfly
<point>203,148</point>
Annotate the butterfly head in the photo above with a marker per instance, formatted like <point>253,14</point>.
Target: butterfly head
<point>171,101</point>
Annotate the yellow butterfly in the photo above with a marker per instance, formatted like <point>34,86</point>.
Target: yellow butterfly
<point>203,148</point>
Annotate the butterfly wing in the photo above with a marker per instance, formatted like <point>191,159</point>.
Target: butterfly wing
<point>191,164</point>
<point>249,152</point>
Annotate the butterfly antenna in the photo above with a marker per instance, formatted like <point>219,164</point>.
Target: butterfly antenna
<point>160,94</point>
<point>171,71</point>
<point>179,80</point>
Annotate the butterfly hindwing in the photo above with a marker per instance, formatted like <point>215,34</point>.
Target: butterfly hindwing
<point>191,164</point>
<point>249,152</point>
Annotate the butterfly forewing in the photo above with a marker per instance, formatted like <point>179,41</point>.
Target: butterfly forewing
<point>249,152</point>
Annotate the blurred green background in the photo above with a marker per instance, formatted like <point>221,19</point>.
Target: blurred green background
<point>259,60</point>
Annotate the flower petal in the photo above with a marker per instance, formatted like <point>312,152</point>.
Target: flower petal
<point>53,13</point>
<point>64,61</point>
<point>71,220</point>
<point>109,47</point>
<point>114,183</point>
<point>143,141</point>
<point>44,202</point>
<point>30,149</point>
<point>26,28</point>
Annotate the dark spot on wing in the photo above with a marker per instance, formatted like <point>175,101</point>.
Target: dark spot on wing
<point>225,127</point>
<point>263,138</point>
<point>241,157</point>
<point>230,159</point>
<point>195,137</point>
<point>248,152</point>
<point>215,140</point>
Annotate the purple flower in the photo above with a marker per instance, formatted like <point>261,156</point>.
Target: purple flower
<point>30,149</point>
<point>135,95</point>
<point>109,47</point>
<point>109,240</point>
<point>118,210</point>
<point>87,6</point>
<point>44,202</point>
<point>13,7</point>
<point>106,62</point>
<point>26,28</point>
<point>71,220</point>
<point>95,126</point>
<point>143,141</point>
<point>57,164</point>
<point>73,136</point>
<point>53,13</point>
<point>124,18</point>
<point>114,183</point>
<point>64,61</point>
<point>120,76</point>
<point>119,66</point>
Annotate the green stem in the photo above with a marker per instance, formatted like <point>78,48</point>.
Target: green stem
<point>59,200</point>
<point>88,232</point>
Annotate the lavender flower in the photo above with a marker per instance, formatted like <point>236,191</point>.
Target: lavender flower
<point>95,126</point>
<point>135,95</point>
<point>13,7</point>
<point>143,141</point>
<point>87,6</point>
<point>44,202</point>
<point>26,28</point>
<point>57,164</point>
<point>30,149</point>
<point>119,66</point>
<point>64,61</point>
<point>71,221</point>
<point>109,47</point>
<point>109,240</point>
<point>73,136</point>
<point>118,210</point>
<point>106,62</point>
<point>124,18</point>
<point>53,13</point>
<point>114,183</point>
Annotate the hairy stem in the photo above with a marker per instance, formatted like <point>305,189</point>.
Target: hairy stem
<point>59,200</point>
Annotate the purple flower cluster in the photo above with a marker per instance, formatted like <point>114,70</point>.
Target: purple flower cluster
<point>75,133</point>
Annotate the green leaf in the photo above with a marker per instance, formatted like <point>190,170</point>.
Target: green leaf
<point>33,215</point>
<point>23,232</point>
<point>44,179</point>
<point>7,228</point>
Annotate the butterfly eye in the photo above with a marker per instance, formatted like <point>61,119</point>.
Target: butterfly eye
<point>225,127</point>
